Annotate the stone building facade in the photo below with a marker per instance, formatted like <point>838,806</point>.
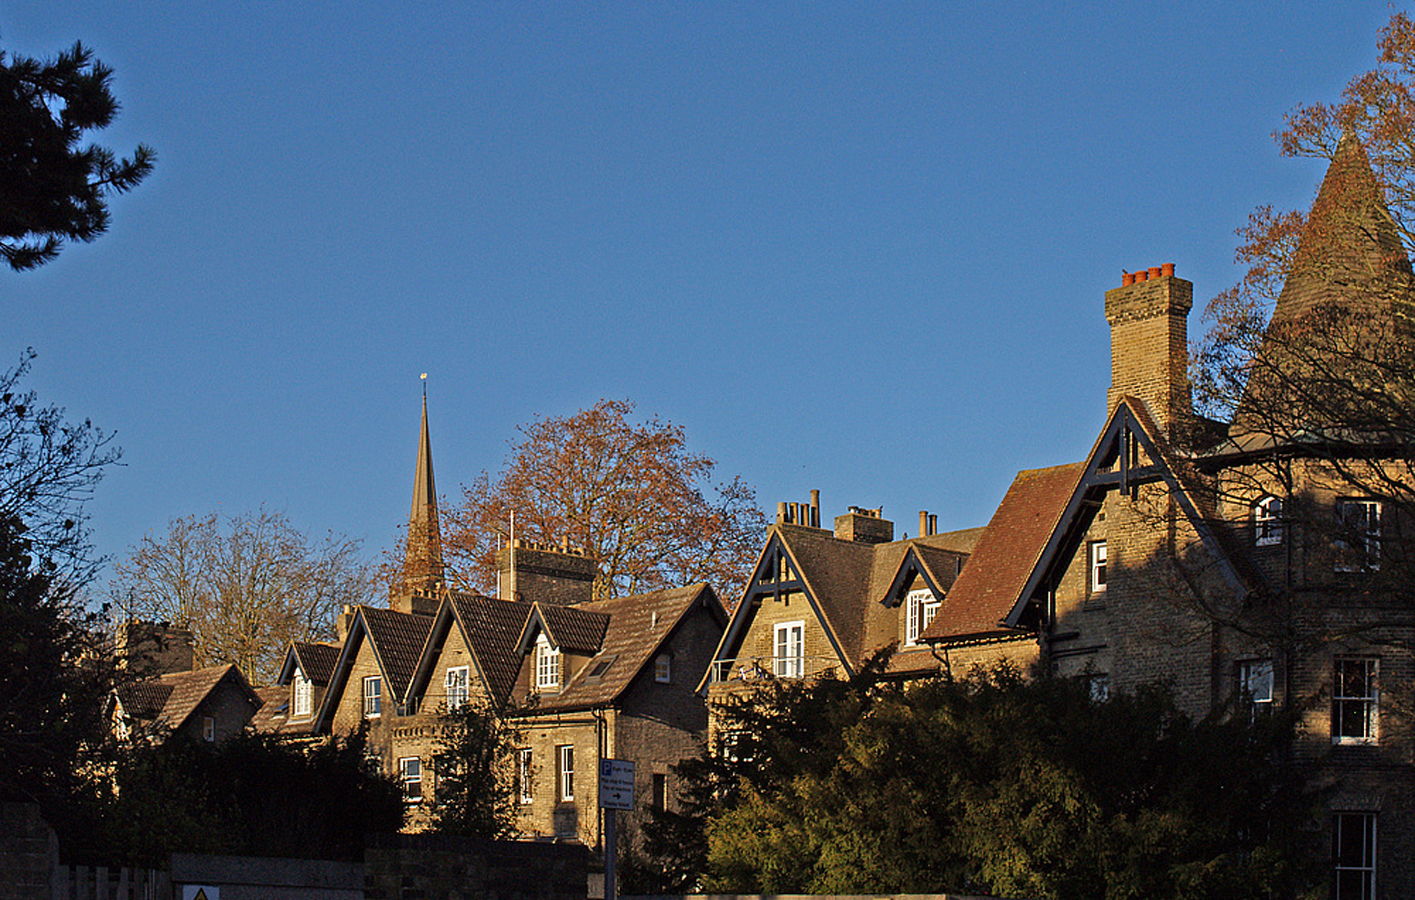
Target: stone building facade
<point>580,680</point>
<point>1258,563</point>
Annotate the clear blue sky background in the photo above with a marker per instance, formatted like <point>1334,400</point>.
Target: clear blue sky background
<point>853,247</point>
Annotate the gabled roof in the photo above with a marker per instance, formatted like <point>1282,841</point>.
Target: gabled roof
<point>490,628</point>
<point>851,587</point>
<point>397,640</point>
<point>1006,554</point>
<point>316,659</point>
<point>171,699</point>
<point>1130,451</point>
<point>636,629</point>
<point>570,629</point>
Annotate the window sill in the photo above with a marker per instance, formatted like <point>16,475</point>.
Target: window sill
<point>1354,742</point>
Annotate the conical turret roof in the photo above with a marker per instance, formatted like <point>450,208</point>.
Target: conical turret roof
<point>1349,240</point>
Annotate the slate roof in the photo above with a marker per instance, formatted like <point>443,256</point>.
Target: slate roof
<point>636,628</point>
<point>397,639</point>
<point>317,659</point>
<point>172,698</point>
<point>491,628</point>
<point>573,629</point>
<point>1005,555</point>
<point>849,583</point>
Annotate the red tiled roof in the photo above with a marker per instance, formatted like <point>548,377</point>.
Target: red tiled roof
<point>991,582</point>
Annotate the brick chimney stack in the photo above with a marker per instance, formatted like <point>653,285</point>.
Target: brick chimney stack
<point>1149,343</point>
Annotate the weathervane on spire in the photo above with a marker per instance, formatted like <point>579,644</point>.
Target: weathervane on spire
<point>424,380</point>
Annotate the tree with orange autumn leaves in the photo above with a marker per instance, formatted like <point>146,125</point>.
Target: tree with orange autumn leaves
<point>631,495</point>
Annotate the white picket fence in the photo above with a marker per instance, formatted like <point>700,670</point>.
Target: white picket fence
<point>100,883</point>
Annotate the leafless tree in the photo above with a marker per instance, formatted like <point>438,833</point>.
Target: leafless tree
<point>246,586</point>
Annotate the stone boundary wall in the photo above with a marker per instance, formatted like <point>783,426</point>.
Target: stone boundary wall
<point>263,878</point>
<point>28,852</point>
<point>428,866</point>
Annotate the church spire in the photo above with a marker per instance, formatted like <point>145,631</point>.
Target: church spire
<point>422,564</point>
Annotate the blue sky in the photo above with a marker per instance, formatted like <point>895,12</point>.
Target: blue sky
<point>853,247</point>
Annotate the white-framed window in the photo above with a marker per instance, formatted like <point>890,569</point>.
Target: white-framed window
<point>1255,683</point>
<point>410,773</point>
<point>524,783</point>
<point>1353,852</point>
<point>921,607</point>
<point>304,695</point>
<point>1097,555</point>
<point>789,656</point>
<point>565,771</point>
<point>663,668</point>
<point>373,697</point>
<point>547,665</point>
<point>456,687</point>
<point>1358,540</point>
<point>1267,521</point>
<point>1355,700</point>
<point>208,728</point>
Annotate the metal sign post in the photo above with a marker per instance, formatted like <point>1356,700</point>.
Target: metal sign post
<point>616,791</point>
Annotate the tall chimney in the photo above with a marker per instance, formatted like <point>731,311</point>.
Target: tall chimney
<point>1149,344</point>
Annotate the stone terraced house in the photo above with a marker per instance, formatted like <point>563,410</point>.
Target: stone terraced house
<point>583,680</point>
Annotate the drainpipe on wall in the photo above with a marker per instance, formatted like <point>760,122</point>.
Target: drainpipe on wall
<point>601,752</point>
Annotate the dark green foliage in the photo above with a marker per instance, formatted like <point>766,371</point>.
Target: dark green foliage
<point>51,690</point>
<point>55,187</point>
<point>991,784</point>
<point>474,762</point>
<point>255,795</point>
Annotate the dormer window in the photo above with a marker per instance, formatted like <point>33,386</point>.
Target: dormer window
<point>547,665</point>
<point>921,607</point>
<point>1267,521</point>
<point>304,693</point>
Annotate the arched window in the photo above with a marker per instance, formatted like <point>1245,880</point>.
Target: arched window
<point>1267,521</point>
